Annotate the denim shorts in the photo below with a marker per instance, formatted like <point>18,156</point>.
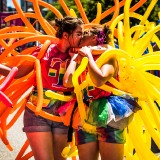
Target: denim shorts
<point>34,123</point>
<point>108,134</point>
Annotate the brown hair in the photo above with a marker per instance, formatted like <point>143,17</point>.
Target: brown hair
<point>67,24</point>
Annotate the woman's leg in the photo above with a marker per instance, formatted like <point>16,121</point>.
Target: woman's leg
<point>88,151</point>
<point>111,143</point>
<point>111,151</point>
<point>47,138</point>
<point>46,147</point>
<point>87,145</point>
<point>41,144</point>
<point>59,143</point>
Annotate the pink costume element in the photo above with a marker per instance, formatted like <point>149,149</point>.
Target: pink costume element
<point>64,108</point>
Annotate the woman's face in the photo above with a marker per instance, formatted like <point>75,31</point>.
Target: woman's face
<point>75,38</point>
<point>88,39</point>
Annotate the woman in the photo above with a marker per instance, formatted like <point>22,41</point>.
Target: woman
<point>108,141</point>
<point>47,138</point>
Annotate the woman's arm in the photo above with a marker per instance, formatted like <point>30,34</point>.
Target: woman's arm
<point>23,69</point>
<point>99,76</point>
<point>4,70</point>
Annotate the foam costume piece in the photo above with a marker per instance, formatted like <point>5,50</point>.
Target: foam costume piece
<point>133,68</point>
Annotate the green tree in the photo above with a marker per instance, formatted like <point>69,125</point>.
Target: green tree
<point>70,4</point>
<point>90,8</point>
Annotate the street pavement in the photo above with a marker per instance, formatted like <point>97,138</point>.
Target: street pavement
<point>16,138</point>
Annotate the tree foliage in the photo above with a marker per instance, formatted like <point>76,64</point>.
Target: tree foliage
<point>90,8</point>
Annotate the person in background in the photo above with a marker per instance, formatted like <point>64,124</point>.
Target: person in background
<point>48,138</point>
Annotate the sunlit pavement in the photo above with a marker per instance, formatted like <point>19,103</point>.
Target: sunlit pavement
<point>16,138</point>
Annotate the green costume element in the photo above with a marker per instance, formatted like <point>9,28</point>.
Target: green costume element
<point>98,113</point>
